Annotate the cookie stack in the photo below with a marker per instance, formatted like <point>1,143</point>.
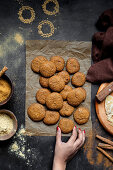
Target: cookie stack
<point>57,98</point>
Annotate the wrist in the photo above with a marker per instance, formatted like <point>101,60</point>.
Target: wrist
<point>59,164</point>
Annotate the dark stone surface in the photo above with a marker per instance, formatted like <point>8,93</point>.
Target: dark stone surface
<point>75,21</point>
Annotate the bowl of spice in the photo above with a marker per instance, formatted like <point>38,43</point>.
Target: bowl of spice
<point>8,124</point>
<point>6,87</point>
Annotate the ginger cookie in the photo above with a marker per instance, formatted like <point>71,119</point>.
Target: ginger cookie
<point>41,95</point>
<point>81,115</point>
<point>66,125</point>
<point>56,83</point>
<point>36,62</point>
<point>54,101</point>
<point>59,62</point>
<point>47,69</point>
<point>36,112</point>
<point>65,91</point>
<point>66,110</point>
<point>72,65</point>
<point>44,82</point>
<point>75,97</point>
<point>78,79</point>
<point>51,117</point>
<point>83,91</point>
<point>65,76</point>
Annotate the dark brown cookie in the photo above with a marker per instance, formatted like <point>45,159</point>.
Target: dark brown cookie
<point>65,91</point>
<point>59,62</point>
<point>44,82</point>
<point>66,110</point>
<point>51,117</point>
<point>47,69</point>
<point>66,125</point>
<point>72,65</point>
<point>78,79</point>
<point>65,75</point>
<point>41,95</point>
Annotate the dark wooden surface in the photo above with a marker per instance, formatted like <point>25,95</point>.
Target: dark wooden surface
<point>75,21</point>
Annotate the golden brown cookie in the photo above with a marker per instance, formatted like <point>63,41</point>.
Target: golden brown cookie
<point>54,101</point>
<point>66,110</point>
<point>59,62</point>
<point>51,117</point>
<point>44,82</point>
<point>66,125</point>
<point>35,64</point>
<point>41,95</point>
<point>47,69</point>
<point>65,75</point>
<point>36,112</point>
<point>56,83</point>
<point>75,97</point>
<point>83,91</point>
<point>72,65</point>
<point>81,115</point>
<point>65,91</point>
<point>78,79</point>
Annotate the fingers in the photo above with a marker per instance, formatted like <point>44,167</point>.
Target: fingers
<point>73,136</point>
<point>81,144</point>
<point>80,139</point>
<point>58,135</point>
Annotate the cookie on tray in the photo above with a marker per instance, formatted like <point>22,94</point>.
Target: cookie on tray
<point>36,62</point>
<point>65,75</point>
<point>54,101</point>
<point>72,65</point>
<point>41,95</point>
<point>81,115</point>
<point>51,117</point>
<point>65,91</point>
<point>78,79</point>
<point>36,112</point>
<point>66,125</point>
<point>66,109</point>
<point>56,83</point>
<point>44,82</point>
<point>59,62</point>
<point>47,69</point>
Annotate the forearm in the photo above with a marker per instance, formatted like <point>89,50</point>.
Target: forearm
<point>59,165</point>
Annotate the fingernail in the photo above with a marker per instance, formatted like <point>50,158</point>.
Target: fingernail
<point>75,126</point>
<point>57,128</point>
<point>84,131</point>
<point>79,129</point>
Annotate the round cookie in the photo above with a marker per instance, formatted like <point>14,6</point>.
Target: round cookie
<point>51,117</point>
<point>75,97</point>
<point>59,62</point>
<point>65,75</point>
<point>44,82</point>
<point>81,115</point>
<point>66,110</point>
<point>36,62</point>
<point>66,125</point>
<point>65,91</point>
<point>54,101</point>
<point>41,95</point>
<point>56,83</point>
<point>47,69</point>
<point>78,79</point>
<point>72,65</point>
<point>83,91</point>
<point>36,112</point>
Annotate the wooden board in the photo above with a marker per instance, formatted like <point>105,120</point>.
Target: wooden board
<point>100,110</point>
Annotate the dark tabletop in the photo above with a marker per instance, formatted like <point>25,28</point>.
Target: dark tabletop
<point>75,21</point>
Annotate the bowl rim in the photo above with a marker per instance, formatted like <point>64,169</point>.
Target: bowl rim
<point>15,124</point>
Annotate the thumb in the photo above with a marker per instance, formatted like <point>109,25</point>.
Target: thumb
<point>58,135</point>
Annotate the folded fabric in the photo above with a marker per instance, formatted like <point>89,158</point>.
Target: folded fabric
<point>101,71</point>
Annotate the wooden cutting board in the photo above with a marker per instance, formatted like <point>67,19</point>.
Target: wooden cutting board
<point>100,110</point>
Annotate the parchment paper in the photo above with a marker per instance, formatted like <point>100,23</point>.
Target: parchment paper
<point>48,48</point>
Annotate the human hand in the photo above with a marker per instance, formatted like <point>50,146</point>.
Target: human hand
<point>65,151</point>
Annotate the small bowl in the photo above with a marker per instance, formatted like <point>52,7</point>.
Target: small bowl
<point>12,89</point>
<point>12,116</point>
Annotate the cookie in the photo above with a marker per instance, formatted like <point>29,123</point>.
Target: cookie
<point>47,69</point>
<point>81,115</point>
<point>66,125</point>
<point>65,91</point>
<point>51,117</point>
<point>54,101</point>
<point>72,65</point>
<point>44,82</point>
<point>59,62</point>
<point>36,112</point>
<point>78,79</point>
<point>36,62</point>
<point>75,97</point>
<point>65,76</point>
<point>83,91</point>
<point>56,83</point>
<point>66,110</point>
<point>41,95</point>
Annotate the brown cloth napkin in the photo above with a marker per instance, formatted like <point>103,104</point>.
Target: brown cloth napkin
<point>102,50</point>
